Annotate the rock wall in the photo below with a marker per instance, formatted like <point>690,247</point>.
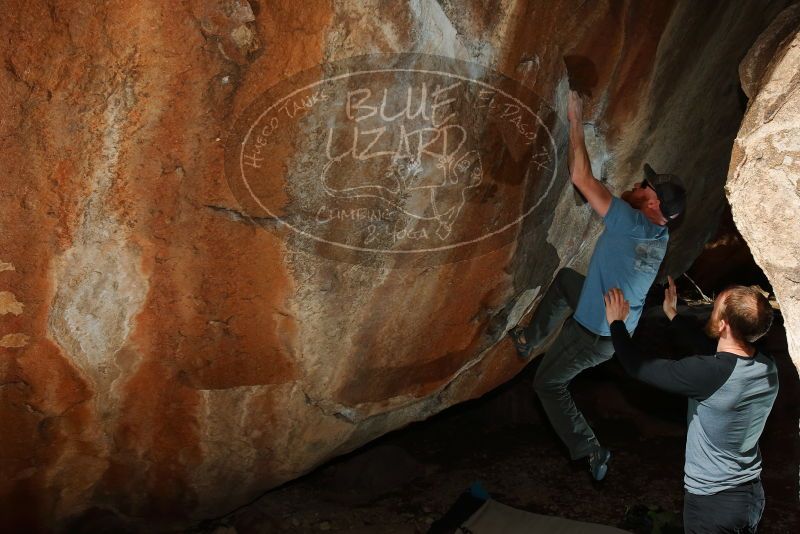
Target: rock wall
<point>167,354</point>
<point>764,177</point>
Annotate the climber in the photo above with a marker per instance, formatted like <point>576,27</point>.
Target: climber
<point>628,255</point>
<point>730,395</point>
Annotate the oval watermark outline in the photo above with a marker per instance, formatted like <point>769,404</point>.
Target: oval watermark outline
<point>452,246</point>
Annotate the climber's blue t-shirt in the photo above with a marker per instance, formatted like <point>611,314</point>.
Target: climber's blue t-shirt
<point>628,255</point>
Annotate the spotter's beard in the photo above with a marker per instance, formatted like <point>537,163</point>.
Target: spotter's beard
<point>712,327</point>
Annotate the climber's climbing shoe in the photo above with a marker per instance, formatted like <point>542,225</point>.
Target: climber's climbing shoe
<point>523,348</point>
<point>598,463</point>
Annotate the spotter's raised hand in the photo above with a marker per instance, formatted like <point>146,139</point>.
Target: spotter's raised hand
<point>617,308</point>
<point>670,305</point>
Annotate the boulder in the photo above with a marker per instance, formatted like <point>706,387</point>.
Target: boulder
<point>172,346</point>
<point>764,176</point>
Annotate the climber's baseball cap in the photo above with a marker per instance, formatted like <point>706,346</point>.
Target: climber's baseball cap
<point>669,189</point>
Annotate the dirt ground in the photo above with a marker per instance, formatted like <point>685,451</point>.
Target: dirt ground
<point>408,479</point>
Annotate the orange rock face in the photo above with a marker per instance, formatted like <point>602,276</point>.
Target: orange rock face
<point>168,354</point>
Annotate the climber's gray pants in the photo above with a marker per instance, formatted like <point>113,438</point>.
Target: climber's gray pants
<point>574,350</point>
<point>557,304</point>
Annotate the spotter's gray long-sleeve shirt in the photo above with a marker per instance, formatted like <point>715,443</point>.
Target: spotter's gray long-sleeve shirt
<point>730,397</point>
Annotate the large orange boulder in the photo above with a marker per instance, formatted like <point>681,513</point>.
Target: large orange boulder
<point>198,303</point>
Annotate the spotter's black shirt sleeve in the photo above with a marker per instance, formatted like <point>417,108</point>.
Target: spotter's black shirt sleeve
<point>694,376</point>
<point>693,336</point>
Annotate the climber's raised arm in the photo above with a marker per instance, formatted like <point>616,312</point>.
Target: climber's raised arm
<point>580,168</point>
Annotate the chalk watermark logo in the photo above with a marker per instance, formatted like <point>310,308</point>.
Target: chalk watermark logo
<point>395,157</point>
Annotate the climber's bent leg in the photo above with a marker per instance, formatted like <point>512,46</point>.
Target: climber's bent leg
<point>574,350</point>
<point>557,304</point>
